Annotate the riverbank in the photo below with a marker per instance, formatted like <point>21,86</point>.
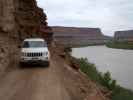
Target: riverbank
<point>120,45</point>
<point>116,61</point>
<point>103,79</point>
<point>86,88</point>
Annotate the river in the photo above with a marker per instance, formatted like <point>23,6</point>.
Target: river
<point>117,61</point>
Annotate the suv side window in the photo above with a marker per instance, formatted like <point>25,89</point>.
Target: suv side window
<point>25,44</point>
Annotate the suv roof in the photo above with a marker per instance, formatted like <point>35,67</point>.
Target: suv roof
<point>34,39</point>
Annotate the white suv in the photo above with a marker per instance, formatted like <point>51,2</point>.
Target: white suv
<point>35,50</point>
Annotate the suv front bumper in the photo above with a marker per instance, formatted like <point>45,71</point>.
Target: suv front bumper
<point>34,59</point>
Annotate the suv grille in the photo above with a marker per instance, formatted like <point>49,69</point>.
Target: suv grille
<point>33,54</point>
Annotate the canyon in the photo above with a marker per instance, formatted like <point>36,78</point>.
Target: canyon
<point>22,19</point>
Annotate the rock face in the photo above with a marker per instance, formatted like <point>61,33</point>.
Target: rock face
<point>22,18</point>
<point>7,18</point>
<point>78,36</point>
<point>124,35</point>
<point>19,19</point>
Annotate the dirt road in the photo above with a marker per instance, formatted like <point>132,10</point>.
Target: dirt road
<point>33,84</point>
<point>52,83</point>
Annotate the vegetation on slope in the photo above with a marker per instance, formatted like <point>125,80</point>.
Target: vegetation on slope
<point>120,45</point>
<point>104,79</point>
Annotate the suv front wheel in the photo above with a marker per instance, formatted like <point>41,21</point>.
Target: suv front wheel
<point>47,63</point>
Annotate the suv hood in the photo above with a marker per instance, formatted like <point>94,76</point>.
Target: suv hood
<point>29,50</point>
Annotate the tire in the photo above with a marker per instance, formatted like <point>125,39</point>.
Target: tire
<point>47,63</point>
<point>21,64</point>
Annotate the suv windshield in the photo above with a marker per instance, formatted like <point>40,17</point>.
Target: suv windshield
<point>34,44</point>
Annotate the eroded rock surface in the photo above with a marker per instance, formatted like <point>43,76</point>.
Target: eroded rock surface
<point>19,19</point>
<point>22,18</point>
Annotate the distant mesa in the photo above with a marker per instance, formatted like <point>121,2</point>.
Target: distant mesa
<point>126,35</point>
<point>77,36</point>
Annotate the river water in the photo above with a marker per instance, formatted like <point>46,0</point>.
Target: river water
<point>117,61</point>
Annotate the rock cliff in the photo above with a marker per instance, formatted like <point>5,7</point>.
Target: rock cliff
<point>7,18</point>
<point>22,18</point>
<point>19,19</point>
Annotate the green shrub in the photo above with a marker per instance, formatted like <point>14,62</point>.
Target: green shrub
<point>120,93</point>
<point>104,79</point>
<point>107,81</point>
<point>89,69</point>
